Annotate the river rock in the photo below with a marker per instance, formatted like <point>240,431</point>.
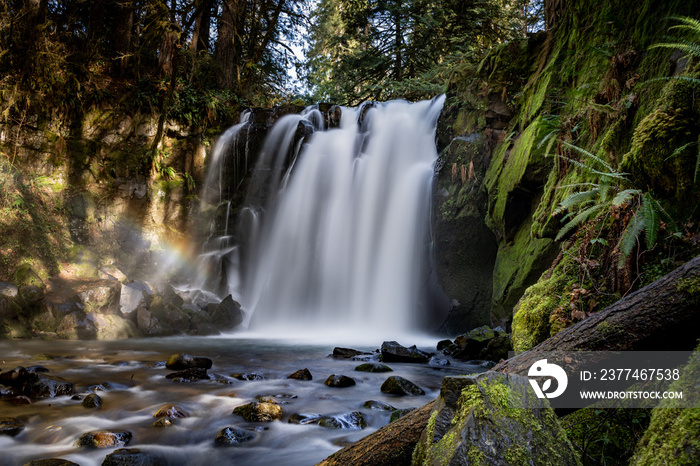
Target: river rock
<point>188,375</point>
<point>259,411</point>
<point>31,295</point>
<point>248,376</point>
<point>399,413</point>
<point>36,385</point>
<point>100,296</point>
<point>475,344</point>
<point>392,351</point>
<point>302,418</point>
<point>171,410</point>
<point>10,426</point>
<point>170,314</point>
<point>339,381</point>
<point>396,385</point>
<point>473,418</point>
<point>227,314</point>
<point>348,353</point>
<point>301,374</point>
<point>232,436</point>
<point>133,457</point>
<point>132,298</point>
<point>373,367</point>
<point>349,421</point>
<point>163,422</point>
<point>373,404</point>
<point>92,401</point>
<point>51,462</point>
<point>149,325</point>
<point>182,361</point>
<point>103,439</point>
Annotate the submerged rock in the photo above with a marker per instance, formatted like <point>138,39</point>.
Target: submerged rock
<point>348,353</point>
<point>189,375</point>
<point>349,421</point>
<point>10,426</point>
<point>493,418</point>
<point>248,376</point>
<point>259,411</point>
<point>396,385</point>
<point>163,422</point>
<point>301,374</point>
<point>103,439</point>
<point>392,351</point>
<point>92,401</point>
<point>133,457</point>
<point>373,367</point>
<point>171,410</point>
<point>232,436</point>
<point>301,418</point>
<point>339,381</point>
<point>183,361</point>
<point>373,404</point>
<point>51,462</point>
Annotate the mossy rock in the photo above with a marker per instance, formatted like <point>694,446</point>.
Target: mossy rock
<point>26,275</point>
<point>259,412</point>
<point>493,418</point>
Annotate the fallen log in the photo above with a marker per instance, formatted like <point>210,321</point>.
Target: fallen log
<point>662,316</point>
<point>393,444</point>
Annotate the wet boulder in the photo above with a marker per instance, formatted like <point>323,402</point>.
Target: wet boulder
<point>103,439</point>
<point>229,436</point>
<point>181,361</point>
<point>36,385</point>
<point>339,381</point>
<point>92,401</point>
<point>149,325</point>
<point>51,462</point>
<point>133,296</point>
<point>496,418</point>
<point>301,374</point>
<point>170,314</point>
<point>392,351</point>
<point>259,411</point>
<point>396,385</point>
<point>373,404</point>
<point>482,343</point>
<point>163,422</point>
<point>188,375</point>
<point>348,421</point>
<point>10,426</point>
<point>133,457</point>
<point>248,376</point>
<point>171,411</point>
<point>303,418</point>
<point>101,296</point>
<point>225,315</point>
<point>348,353</point>
<point>373,367</point>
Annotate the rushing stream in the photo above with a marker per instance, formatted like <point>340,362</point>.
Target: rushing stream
<point>129,376</point>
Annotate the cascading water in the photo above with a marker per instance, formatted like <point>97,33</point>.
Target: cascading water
<point>335,229</point>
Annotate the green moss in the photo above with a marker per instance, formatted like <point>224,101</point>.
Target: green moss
<point>689,285</point>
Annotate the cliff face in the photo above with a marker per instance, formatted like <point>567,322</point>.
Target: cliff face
<point>588,107</point>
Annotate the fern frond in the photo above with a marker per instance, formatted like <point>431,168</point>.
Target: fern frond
<point>624,196</point>
<point>616,175</point>
<point>574,199</point>
<point>593,157</point>
<point>651,219</point>
<point>629,237</point>
<point>576,185</point>
<point>580,218</point>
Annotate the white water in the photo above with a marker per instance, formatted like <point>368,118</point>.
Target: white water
<point>344,241</point>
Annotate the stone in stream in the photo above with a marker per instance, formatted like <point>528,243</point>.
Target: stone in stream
<point>10,426</point>
<point>249,376</point>
<point>392,351</point>
<point>373,367</point>
<point>182,361</point>
<point>51,462</point>
<point>399,413</point>
<point>396,385</point>
<point>349,421</point>
<point>133,457</point>
<point>103,439</point>
<point>339,381</point>
<point>229,436</point>
<point>225,315</point>
<point>373,404</point>
<point>92,401</point>
<point>348,353</point>
<point>301,418</point>
<point>259,411</point>
<point>46,386</point>
<point>301,374</point>
<point>188,375</point>
<point>163,422</point>
<point>171,410</point>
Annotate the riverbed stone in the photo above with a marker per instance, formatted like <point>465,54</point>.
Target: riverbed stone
<point>100,296</point>
<point>181,361</point>
<point>396,385</point>
<point>374,404</point>
<point>348,421</point>
<point>133,457</point>
<point>92,400</point>
<point>189,375</point>
<point>248,376</point>
<point>373,367</point>
<point>301,374</point>
<point>51,462</point>
<point>259,411</point>
<point>304,418</point>
<point>163,422</point>
<point>493,418</point>
<point>392,351</point>
<point>36,385</point>
<point>31,295</point>
<point>348,353</point>
<point>171,411</point>
<point>104,439</point>
<point>230,436</point>
<point>170,314</point>
<point>149,325</point>
<point>10,426</point>
<point>227,314</point>
<point>339,381</point>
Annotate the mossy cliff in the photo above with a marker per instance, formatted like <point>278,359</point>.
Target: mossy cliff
<point>588,105</point>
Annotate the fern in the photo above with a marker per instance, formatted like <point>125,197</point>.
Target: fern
<point>651,219</point>
<point>577,198</point>
<point>629,237</point>
<point>624,196</point>
<point>580,218</point>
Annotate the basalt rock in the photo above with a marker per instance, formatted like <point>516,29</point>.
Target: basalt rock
<point>259,412</point>
<point>348,353</point>
<point>229,436</point>
<point>248,376</point>
<point>372,404</point>
<point>133,457</point>
<point>188,375</point>
<point>171,410</point>
<point>373,367</point>
<point>396,385</point>
<point>301,374</point>
<point>103,439</point>
<point>339,381</point>
<point>394,352</point>
<point>92,401</point>
<point>10,426</point>
<point>227,314</point>
<point>399,413</point>
<point>183,361</point>
<point>51,462</point>
<point>349,421</point>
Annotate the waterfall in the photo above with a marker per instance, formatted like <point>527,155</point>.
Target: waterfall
<point>337,222</point>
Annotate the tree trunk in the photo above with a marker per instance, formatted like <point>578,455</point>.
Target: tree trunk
<point>392,445</point>
<point>227,44</point>
<point>124,23</point>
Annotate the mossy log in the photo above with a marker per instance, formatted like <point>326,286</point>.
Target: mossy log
<point>392,444</point>
<point>662,316</point>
